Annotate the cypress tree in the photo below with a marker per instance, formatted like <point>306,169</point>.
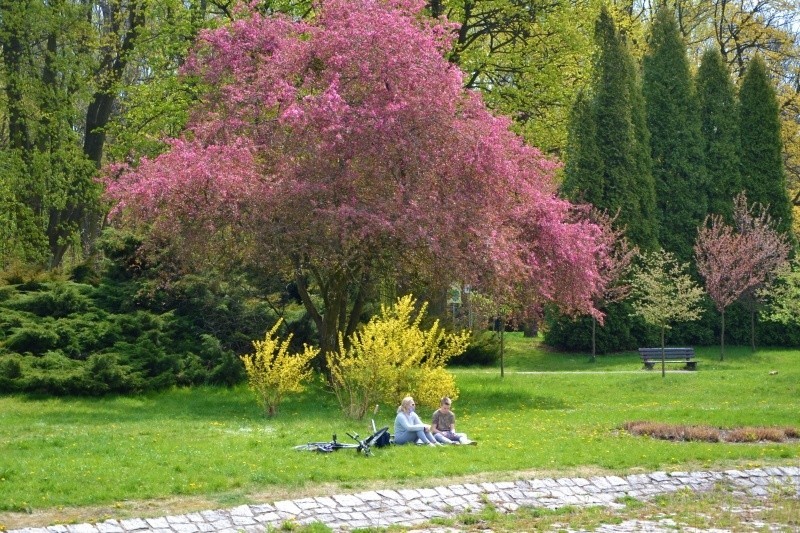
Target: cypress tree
<point>719,119</point>
<point>583,170</point>
<point>762,170</point>
<point>605,163</point>
<point>676,140</point>
<point>608,165</point>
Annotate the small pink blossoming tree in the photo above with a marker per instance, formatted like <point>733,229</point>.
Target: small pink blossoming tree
<point>342,151</point>
<point>736,260</point>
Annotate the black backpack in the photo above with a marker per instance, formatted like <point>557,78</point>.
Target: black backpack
<point>381,438</point>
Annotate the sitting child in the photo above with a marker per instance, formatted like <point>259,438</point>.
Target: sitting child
<point>443,426</point>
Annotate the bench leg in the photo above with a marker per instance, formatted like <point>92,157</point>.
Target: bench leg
<point>648,365</point>
<point>691,365</point>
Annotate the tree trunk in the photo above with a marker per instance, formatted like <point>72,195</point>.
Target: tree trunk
<point>436,7</point>
<point>663,355</point>
<point>722,338</point>
<point>99,111</point>
<point>594,337</point>
<point>340,315</point>
<point>502,347</point>
<point>18,133</point>
<point>753,328</point>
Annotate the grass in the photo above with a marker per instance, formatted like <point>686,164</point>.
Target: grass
<point>552,413</point>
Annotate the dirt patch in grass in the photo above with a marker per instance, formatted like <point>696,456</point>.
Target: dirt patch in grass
<point>683,432</point>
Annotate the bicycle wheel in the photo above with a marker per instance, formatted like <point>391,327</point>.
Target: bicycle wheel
<point>315,447</point>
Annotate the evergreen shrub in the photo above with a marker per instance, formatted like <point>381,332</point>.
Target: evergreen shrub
<point>483,350</point>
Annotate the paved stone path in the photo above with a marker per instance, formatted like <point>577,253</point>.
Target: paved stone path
<point>410,507</point>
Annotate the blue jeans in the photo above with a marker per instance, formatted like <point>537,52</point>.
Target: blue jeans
<point>413,436</point>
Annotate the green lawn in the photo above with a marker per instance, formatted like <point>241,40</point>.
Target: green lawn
<point>550,413</point>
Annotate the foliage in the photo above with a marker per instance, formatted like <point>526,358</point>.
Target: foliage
<point>73,338</point>
<point>483,350</point>
<point>622,330</point>
<point>720,127</point>
<point>273,372</point>
<point>783,296</point>
<point>762,161</point>
<point>608,162</point>
<point>391,357</point>
<point>736,260</point>
<point>350,150</point>
<point>676,142</point>
<point>527,58</point>
<point>58,68</point>
<point>583,170</point>
<point>663,292</point>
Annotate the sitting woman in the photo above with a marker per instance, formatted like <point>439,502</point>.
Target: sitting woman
<point>409,428</point>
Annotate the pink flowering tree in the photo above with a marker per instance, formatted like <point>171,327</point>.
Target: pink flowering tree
<point>736,260</point>
<point>613,267</point>
<point>343,151</point>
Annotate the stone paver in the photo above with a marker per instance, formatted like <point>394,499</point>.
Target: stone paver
<point>408,507</point>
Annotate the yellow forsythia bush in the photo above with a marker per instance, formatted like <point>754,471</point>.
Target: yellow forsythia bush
<point>272,372</point>
<point>392,357</point>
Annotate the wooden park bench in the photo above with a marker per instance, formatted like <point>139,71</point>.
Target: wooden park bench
<point>685,355</point>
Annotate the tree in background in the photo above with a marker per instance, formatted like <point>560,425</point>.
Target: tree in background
<point>528,58</point>
<point>720,126</point>
<point>608,165</point>
<point>663,292</point>
<point>583,170</point>
<point>733,260</point>
<point>608,156</point>
<point>675,137</point>
<point>762,161</point>
<point>344,148</point>
<point>50,175</point>
<point>783,296</point>
<point>76,76</point>
<point>613,269</point>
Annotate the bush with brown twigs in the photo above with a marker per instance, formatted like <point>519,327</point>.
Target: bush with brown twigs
<point>682,432</point>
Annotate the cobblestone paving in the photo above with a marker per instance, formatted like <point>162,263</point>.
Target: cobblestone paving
<point>410,507</point>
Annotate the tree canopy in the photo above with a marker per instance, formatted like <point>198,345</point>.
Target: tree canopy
<point>344,149</point>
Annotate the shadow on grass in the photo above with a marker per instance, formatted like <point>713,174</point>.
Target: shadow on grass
<point>504,399</point>
<point>188,404</point>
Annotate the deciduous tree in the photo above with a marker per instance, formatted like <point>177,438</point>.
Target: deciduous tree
<point>663,292</point>
<point>733,260</point>
<point>783,296</point>
<point>343,148</point>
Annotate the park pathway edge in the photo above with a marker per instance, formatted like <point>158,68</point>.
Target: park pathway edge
<point>410,507</point>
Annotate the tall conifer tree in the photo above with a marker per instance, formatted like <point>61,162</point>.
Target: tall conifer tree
<point>719,118</point>
<point>608,164</point>
<point>763,175</point>
<point>607,159</point>
<point>676,140</point>
<point>583,171</point>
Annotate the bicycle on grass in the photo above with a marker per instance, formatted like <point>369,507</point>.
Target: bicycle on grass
<point>361,446</point>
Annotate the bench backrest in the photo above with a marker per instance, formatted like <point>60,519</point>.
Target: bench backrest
<point>668,352</point>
